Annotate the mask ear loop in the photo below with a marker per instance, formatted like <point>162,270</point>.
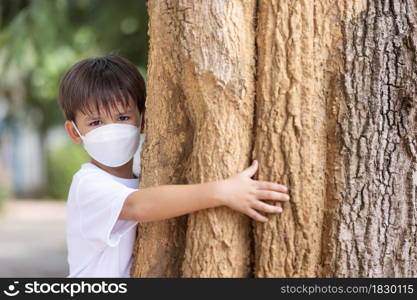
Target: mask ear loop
<point>75,126</point>
<point>140,123</point>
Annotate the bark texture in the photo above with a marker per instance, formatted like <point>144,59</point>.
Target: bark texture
<point>200,109</point>
<point>323,94</point>
<point>218,67</point>
<point>373,216</point>
<point>290,140</point>
<point>160,245</point>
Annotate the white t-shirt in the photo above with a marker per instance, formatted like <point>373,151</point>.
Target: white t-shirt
<point>99,245</point>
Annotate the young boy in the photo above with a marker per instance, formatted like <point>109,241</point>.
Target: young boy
<point>103,100</point>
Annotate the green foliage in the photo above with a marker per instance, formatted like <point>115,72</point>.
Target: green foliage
<point>63,162</point>
<point>40,40</point>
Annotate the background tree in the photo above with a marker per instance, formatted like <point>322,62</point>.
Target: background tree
<point>323,94</point>
<point>39,41</point>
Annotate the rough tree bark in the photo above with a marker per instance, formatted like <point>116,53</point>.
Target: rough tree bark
<point>323,94</point>
<point>290,140</point>
<point>372,223</point>
<point>201,104</point>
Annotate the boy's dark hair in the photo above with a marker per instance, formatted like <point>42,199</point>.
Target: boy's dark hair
<point>101,80</point>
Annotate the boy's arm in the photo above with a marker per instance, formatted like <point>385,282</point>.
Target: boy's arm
<point>238,192</point>
<point>167,201</point>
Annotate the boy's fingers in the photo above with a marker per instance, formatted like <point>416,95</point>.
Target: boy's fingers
<point>262,206</point>
<point>257,216</point>
<point>267,185</point>
<point>252,169</point>
<point>271,195</point>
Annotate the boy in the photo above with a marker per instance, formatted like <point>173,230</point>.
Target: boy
<point>103,100</point>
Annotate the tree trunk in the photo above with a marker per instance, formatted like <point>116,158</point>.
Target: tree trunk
<point>372,218</point>
<point>203,97</point>
<point>323,94</point>
<point>290,140</point>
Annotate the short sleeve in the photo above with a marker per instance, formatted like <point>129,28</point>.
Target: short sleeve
<point>100,200</point>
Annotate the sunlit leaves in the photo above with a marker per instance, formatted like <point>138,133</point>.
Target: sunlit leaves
<point>44,37</point>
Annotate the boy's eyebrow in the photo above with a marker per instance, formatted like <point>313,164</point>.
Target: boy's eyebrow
<point>92,117</point>
<point>126,112</point>
<point>95,117</point>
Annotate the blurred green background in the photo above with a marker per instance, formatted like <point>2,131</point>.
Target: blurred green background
<point>39,41</point>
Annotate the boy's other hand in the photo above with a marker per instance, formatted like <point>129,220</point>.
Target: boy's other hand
<point>243,194</point>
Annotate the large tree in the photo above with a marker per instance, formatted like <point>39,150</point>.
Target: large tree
<point>323,94</point>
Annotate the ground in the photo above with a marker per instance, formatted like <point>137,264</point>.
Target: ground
<point>32,239</point>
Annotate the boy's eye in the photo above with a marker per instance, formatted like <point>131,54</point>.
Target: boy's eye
<point>124,118</point>
<point>94,123</point>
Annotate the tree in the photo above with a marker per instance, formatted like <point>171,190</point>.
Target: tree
<point>39,41</point>
<point>323,94</point>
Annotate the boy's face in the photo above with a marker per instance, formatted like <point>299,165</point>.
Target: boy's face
<point>88,122</point>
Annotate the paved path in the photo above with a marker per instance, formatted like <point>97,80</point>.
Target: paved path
<point>32,239</point>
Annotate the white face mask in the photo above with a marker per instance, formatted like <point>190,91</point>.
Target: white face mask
<point>112,145</point>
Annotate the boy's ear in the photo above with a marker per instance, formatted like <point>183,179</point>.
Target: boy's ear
<point>72,133</point>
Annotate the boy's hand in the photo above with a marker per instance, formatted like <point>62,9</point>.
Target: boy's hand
<point>241,193</point>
